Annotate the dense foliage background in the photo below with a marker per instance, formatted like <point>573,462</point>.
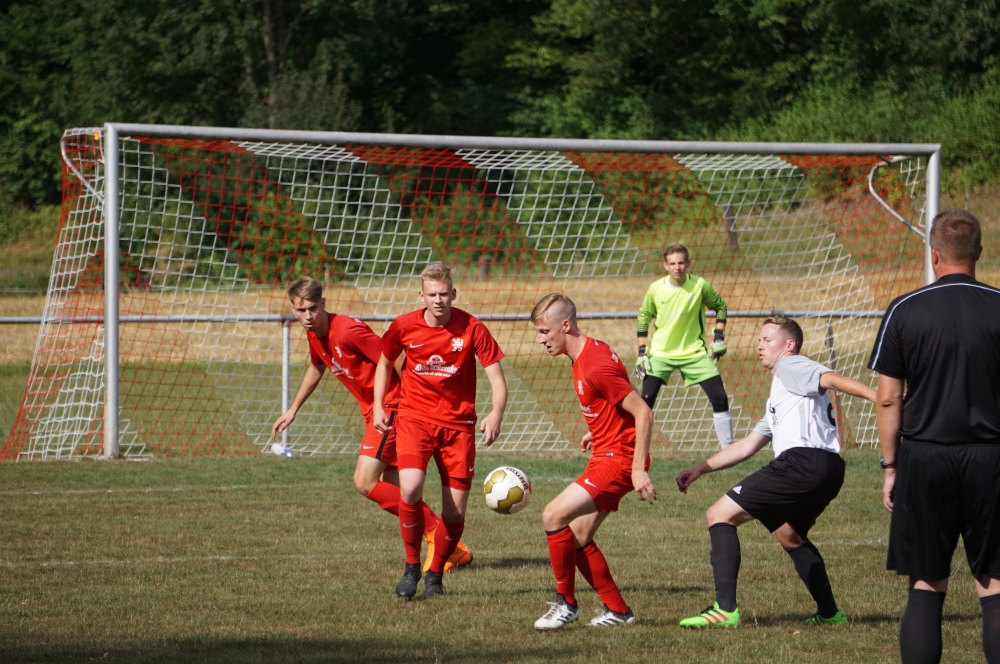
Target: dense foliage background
<point>821,70</point>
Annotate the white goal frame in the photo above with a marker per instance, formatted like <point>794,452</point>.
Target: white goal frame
<point>112,132</point>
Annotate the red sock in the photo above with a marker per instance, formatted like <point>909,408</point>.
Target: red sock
<point>562,553</point>
<point>595,570</point>
<point>431,519</point>
<point>386,495</point>
<point>411,527</point>
<point>445,541</point>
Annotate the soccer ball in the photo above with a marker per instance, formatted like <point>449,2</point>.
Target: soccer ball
<point>507,490</point>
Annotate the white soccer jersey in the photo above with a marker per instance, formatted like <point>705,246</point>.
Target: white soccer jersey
<point>799,414</point>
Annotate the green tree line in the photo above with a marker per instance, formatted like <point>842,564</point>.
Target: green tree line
<point>821,70</point>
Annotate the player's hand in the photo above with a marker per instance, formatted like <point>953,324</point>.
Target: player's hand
<point>687,478</point>
<point>380,420</point>
<point>643,485</point>
<point>490,426</point>
<point>587,441</point>
<point>718,347</point>
<point>642,364</point>
<point>888,484</point>
<point>282,422</point>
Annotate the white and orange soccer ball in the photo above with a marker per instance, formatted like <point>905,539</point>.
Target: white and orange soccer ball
<point>507,490</point>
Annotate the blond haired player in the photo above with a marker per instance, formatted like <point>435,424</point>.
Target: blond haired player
<point>350,350</point>
<point>619,426</point>
<point>437,415</point>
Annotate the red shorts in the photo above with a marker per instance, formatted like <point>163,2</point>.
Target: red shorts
<point>381,446</point>
<point>607,481</point>
<point>454,450</point>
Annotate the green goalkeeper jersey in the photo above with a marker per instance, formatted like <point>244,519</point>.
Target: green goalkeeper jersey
<point>678,313</point>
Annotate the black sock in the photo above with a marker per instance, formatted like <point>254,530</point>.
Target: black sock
<point>725,563</point>
<point>812,570</point>
<point>991,628</point>
<point>920,629</point>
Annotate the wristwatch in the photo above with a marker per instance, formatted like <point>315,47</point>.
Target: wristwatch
<point>882,462</point>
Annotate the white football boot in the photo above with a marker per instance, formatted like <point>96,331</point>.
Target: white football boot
<point>608,618</point>
<point>560,614</point>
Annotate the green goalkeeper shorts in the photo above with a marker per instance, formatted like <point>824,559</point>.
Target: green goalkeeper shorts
<point>693,370</point>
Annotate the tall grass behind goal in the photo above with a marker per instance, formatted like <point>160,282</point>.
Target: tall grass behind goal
<point>213,224</point>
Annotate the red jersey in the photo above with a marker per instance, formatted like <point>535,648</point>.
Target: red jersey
<point>439,377</point>
<point>351,351</point>
<point>601,381</point>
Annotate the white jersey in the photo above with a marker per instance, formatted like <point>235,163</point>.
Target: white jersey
<point>799,414</point>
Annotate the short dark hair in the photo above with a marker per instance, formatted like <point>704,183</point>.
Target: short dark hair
<point>957,237</point>
<point>790,328</point>
<point>676,248</point>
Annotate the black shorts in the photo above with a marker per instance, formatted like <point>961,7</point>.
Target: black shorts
<point>795,488</point>
<point>941,492</point>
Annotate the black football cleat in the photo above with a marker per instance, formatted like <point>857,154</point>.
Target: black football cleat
<point>432,584</point>
<point>407,586</point>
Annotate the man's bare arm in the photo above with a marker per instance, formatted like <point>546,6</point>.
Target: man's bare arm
<point>888,419</point>
<point>490,425</point>
<point>643,486</point>
<point>734,454</point>
<point>831,380</point>
<point>383,370</point>
<point>309,382</point>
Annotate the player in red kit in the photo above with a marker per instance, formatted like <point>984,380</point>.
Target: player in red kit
<point>350,350</point>
<point>619,424</point>
<point>437,415</point>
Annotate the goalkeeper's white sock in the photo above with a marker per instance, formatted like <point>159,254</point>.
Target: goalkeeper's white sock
<point>724,428</point>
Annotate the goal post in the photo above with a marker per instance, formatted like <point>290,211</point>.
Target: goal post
<point>166,329</point>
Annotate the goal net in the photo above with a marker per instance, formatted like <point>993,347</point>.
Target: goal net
<point>212,230</point>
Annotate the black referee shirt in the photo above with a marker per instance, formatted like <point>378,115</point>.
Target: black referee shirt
<point>944,341</point>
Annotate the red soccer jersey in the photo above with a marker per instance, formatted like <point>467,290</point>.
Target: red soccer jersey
<point>351,351</point>
<point>439,377</point>
<point>601,382</point>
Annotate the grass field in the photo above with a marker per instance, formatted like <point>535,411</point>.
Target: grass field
<point>260,559</point>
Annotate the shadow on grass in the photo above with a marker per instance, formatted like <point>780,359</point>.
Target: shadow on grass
<point>864,619</point>
<point>265,651</point>
<point>513,563</point>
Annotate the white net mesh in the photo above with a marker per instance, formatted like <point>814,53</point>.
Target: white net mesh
<point>214,230</point>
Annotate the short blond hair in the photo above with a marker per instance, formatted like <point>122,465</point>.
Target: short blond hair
<point>562,309</point>
<point>305,288</point>
<point>436,272</point>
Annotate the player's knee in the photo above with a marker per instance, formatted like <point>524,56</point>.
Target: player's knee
<point>714,515</point>
<point>363,482</point>
<point>551,519</point>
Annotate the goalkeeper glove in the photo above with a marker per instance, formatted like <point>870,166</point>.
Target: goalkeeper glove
<point>642,364</point>
<point>718,347</point>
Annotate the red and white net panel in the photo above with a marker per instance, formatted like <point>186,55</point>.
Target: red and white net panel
<point>218,228</point>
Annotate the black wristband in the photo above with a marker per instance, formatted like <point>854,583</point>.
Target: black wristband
<point>720,335</point>
<point>642,350</point>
